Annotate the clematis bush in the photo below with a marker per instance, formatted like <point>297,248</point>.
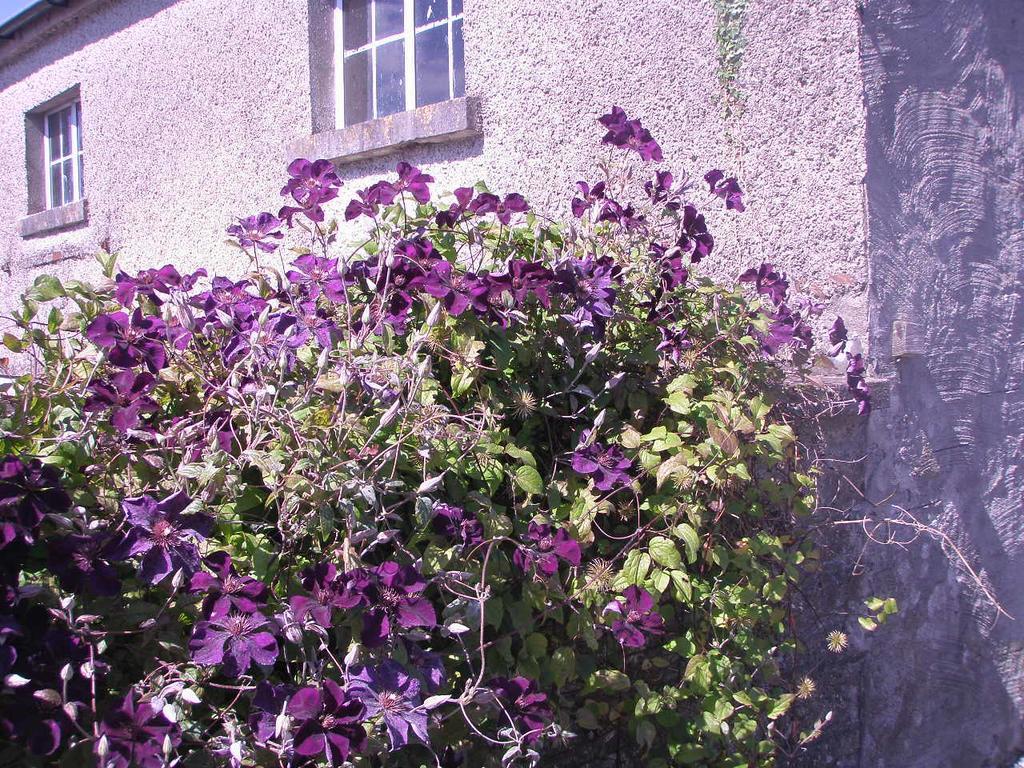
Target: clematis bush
<point>446,484</point>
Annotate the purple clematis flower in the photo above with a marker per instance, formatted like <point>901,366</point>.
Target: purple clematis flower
<point>134,735</point>
<point>591,282</point>
<point>694,235</point>
<point>457,526</point>
<point>449,218</point>
<point>395,597</point>
<point>327,721</point>
<point>636,618</point>
<point>524,704</point>
<point>523,278</point>
<point>411,179</point>
<point>226,590</point>
<point>150,282</point>
<point>126,396</point>
<point>315,274</point>
<point>502,209</point>
<point>856,382</point>
<point>726,188</point>
<point>232,300</point>
<point>607,465</point>
<point>28,492</point>
<point>674,272</point>
<point>311,185</point>
<point>82,564</point>
<point>130,342</point>
<point>659,190</point>
<point>390,692</point>
<point>838,336</point>
<point>550,545</point>
<point>588,196</point>
<point>164,537</point>
<point>787,329</point>
<point>767,282</point>
<point>454,289</point>
<point>268,702</point>
<point>257,232</point>
<point>329,589</point>
<point>233,640</point>
<point>673,343</point>
<point>629,134</point>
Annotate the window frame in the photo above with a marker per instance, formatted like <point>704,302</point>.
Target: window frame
<point>76,156</point>
<point>408,37</point>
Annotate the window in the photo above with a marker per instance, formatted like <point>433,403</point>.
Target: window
<point>397,55</point>
<point>62,140</point>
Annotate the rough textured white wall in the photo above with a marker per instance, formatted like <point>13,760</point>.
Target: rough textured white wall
<point>188,103</point>
<point>182,104</point>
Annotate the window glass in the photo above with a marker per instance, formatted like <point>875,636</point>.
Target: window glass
<point>388,42</point>
<point>357,88</point>
<point>390,18</point>
<point>390,78</point>
<point>432,65</point>
<point>458,61</point>
<point>428,11</point>
<point>81,177</point>
<point>55,186</point>
<point>68,181</point>
<point>356,24</point>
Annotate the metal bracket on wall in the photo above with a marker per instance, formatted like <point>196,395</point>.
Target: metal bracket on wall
<point>907,340</point>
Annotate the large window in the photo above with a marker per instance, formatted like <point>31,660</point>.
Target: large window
<point>62,137</point>
<point>395,55</point>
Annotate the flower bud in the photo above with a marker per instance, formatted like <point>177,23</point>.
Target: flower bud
<point>16,681</point>
<point>47,696</point>
<point>168,745</point>
<point>178,580</point>
<point>103,747</point>
<point>434,316</point>
<point>365,317</point>
<point>67,603</point>
<point>189,696</point>
<point>66,672</point>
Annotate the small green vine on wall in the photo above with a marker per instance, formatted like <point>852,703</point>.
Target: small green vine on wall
<point>731,44</point>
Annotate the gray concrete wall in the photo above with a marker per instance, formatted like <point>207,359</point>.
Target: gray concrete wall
<point>187,105</point>
<point>942,685</point>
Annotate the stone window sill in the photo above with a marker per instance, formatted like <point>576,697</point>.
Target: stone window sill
<point>54,219</point>
<point>445,121</point>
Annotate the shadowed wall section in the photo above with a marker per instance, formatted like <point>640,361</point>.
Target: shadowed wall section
<point>944,80</point>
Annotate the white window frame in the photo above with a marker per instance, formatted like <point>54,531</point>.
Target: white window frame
<point>77,190</point>
<point>408,35</point>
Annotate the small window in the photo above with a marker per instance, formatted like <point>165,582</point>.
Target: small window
<point>62,146</point>
<point>396,55</point>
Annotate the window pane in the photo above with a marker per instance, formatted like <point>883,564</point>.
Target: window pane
<point>390,78</point>
<point>390,18</point>
<point>432,65</point>
<point>68,181</point>
<point>430,10</point>
<point>81,178</point>
<point>356,23</point>
<point>456,7</point>
<point>458,61</point>
<point>55,186</point>
<point>357,88</point>
<point>53,135</point>
<point>78,124</point>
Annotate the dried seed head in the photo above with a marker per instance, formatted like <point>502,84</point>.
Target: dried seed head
<point>837,641</point>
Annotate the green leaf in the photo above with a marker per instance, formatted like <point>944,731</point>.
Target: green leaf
<point>45,288</point>
<point>529,480</point>
<point>634,570</point>
<point>781,706</point>
<point>691,540</point>
<point>664,552</point>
